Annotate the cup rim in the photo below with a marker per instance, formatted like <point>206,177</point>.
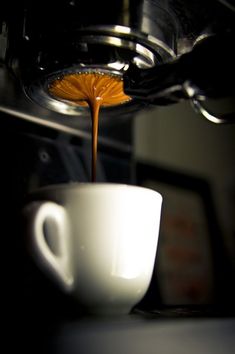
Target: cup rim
<point>94,185</point>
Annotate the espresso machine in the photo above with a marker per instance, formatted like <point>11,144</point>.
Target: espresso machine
<point>44,41</point>
<point>165,51</point>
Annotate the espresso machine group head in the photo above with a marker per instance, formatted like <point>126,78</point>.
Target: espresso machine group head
<point>164,50</point>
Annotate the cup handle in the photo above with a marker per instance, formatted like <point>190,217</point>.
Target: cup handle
<point>54,260</point>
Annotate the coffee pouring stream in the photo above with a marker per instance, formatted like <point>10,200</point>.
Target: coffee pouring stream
<point>94,89</point>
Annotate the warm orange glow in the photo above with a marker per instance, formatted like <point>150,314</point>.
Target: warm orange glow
<point>93,90</point>
<point>86,88</point>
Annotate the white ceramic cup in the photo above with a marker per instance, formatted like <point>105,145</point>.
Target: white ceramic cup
<point>98,241</point>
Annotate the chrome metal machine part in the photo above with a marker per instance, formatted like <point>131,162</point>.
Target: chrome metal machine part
<point>206,71</point>
<point>42,40</point>
<point>47,40</point>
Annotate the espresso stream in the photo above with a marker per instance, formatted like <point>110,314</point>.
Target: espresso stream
<point>93,90</point>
